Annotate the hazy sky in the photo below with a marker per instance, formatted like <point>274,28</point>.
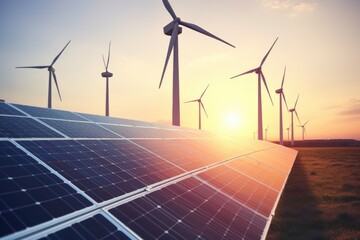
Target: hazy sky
<point>319,42</point>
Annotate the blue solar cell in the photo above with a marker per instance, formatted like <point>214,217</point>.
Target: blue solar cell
<point>30,194</point>
<point>189,210</point>
<point>103,169</point>
<point>94,228</point>
<point>8,110</point>
<point>24,127</point>
<point>80,129</point>
<point>49,113</point>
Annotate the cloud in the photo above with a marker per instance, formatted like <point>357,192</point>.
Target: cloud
<point>294,7</point>
<point>352,108</point>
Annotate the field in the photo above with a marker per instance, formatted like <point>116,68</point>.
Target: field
<point>321,199</point>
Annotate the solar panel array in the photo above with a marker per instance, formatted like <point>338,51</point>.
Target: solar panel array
<point>66,175</point>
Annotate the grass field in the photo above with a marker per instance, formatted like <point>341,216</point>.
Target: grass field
<point>321,199</point>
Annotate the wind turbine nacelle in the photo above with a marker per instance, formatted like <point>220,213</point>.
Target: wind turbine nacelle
<point>292,110</point>
<point>106,74</point>
<point>279,91</point>
<point>168,29</point>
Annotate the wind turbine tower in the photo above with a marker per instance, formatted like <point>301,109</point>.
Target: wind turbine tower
<point>287,129</point>
<point>107,75</point>
<point>201,105</point>
<point>303,129</point>
<point>282,96</point>
<point>266,131</point>
<point>292,120</point>
<point>51,70</point>
<point>173,29</point>
<point>261,76</point>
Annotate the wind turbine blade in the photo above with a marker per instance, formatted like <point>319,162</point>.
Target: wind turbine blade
<point>192,101</point>
<point>204,91</point>
<point>297,117</point>
<point>263,78</point>
<point>56,83</point>
<point>296,100</point>
<point>108,60</point>
<point>171,46</point>
<point>202,105</point>
<point>250,71</point>
<point>282,83</point>
<point>306,122</point>
<point>169,9</point>
<point>56,58</point>
<point>104,62</point>
<point>305,131</point>
<point>267,54</point>
<point>38,67</point>
<point>203,31</point>
<point>283,95</point>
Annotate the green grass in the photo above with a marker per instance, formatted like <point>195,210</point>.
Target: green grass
<point>321,199</point>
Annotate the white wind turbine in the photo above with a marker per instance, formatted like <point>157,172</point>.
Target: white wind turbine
<point>173,29</point>
<point>282,96</point>
<point>51,74</point>
<point>261,76</point>
<point>287,129</point>
<point>201,105</point>
<point>266,131</point>
<point>303,129</point>
<point>292,120</point>
<point>107,75</point>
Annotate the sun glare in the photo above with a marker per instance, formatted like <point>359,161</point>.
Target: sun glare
<point>233,120</point>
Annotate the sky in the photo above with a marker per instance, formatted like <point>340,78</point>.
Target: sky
<point>318,43</point>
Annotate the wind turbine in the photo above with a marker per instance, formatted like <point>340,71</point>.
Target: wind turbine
<point>107,75</point>
<point>51,74</point>
<point>201,105</point>
<point>292,120</point>
<point>282,96</point>
<point>287,129</point>
<point>266,131</point>
<point>303,129</point>
<point>260,74</point>
<point>173,29</point>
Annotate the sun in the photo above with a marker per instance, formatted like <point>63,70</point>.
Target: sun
<point>233,120</point>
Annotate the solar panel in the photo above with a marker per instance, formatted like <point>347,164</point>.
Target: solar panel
<point>67,175</point>
<point>49,113</point>
<point>8,110</point>
<point>113,120</point>
<point>30,193</point>
<point>80,129</point>
<point>24,127</point>
<point>189,210</point>
<point>92,228</point>
<point>103,169</point>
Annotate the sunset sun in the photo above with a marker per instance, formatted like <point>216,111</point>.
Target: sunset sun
<point>233,120</point>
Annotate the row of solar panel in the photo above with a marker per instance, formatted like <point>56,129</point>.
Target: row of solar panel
<point>46,123</point>
<point>37,191</point>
